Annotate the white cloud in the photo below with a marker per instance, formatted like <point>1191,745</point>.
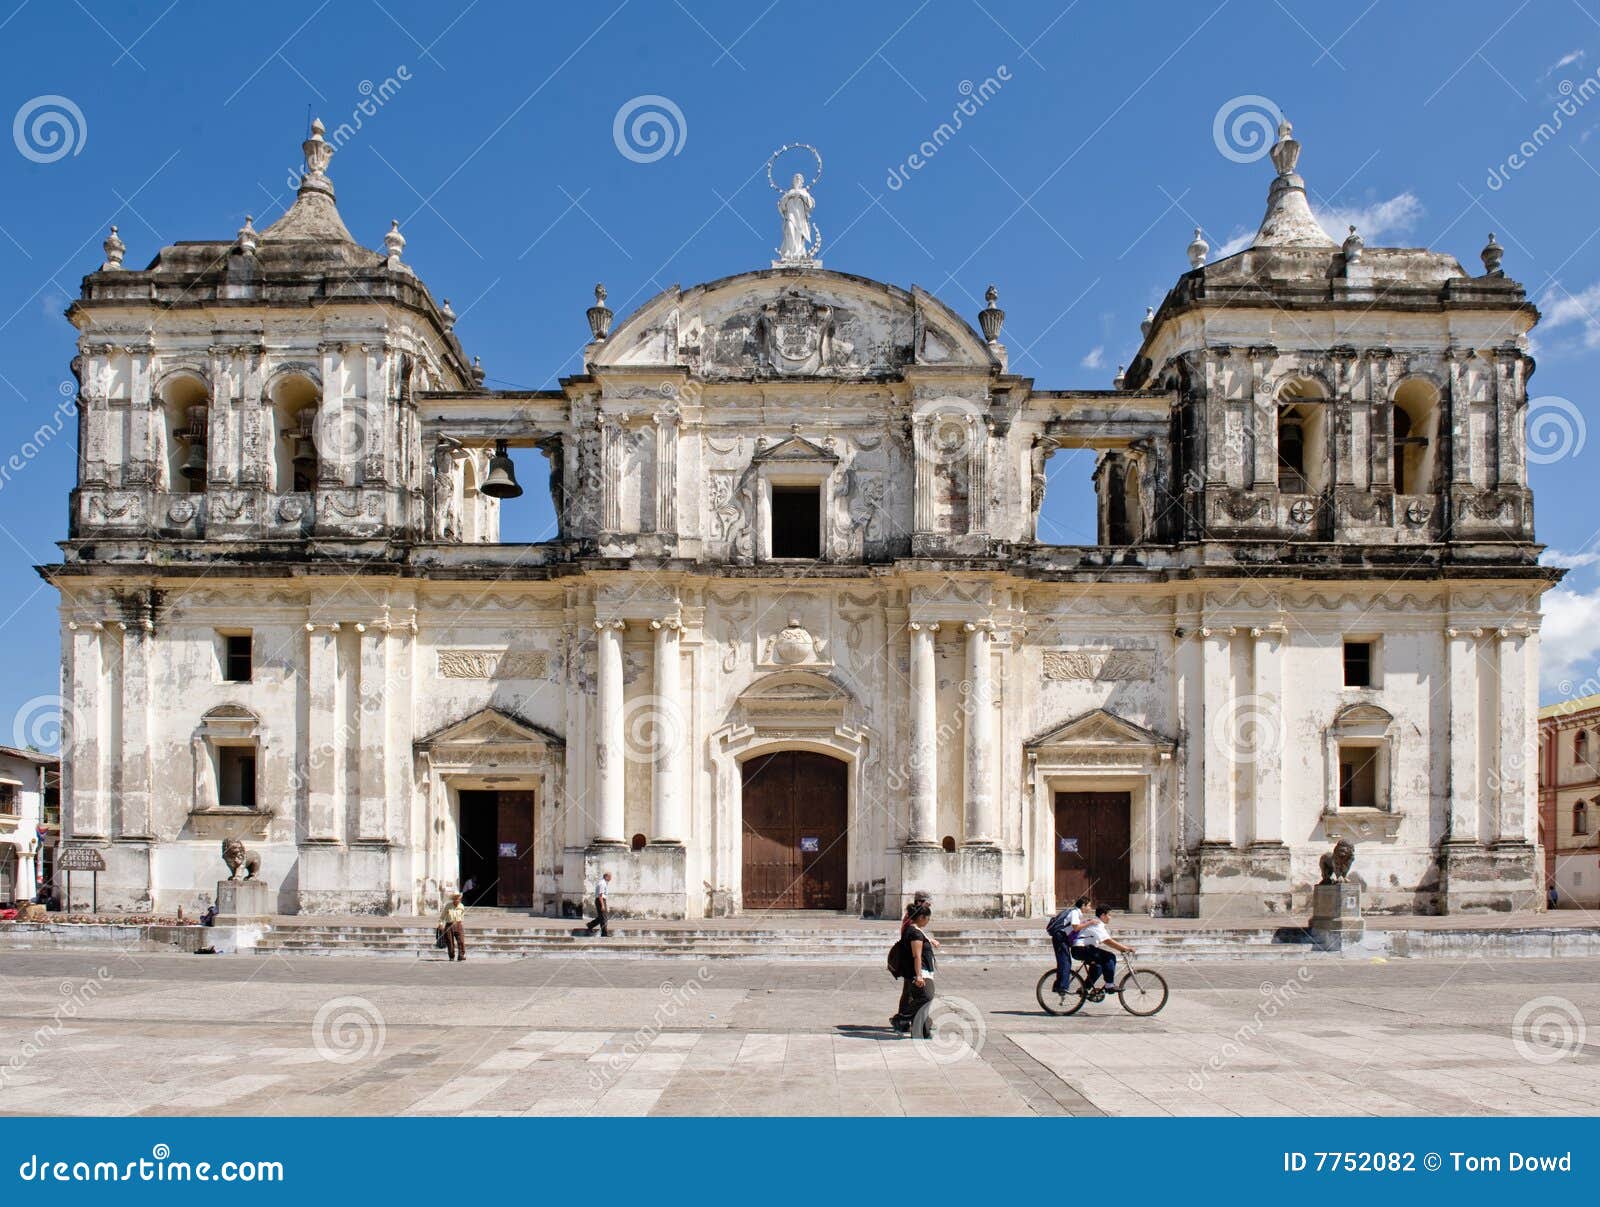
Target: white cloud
<point>1390,217</point>
<point>1382,218</point>
<point>1569,561</point>
<point>1562,308</point>
<point>1566,60</point>
<point>1568,642</point>
<point>1096,358</point>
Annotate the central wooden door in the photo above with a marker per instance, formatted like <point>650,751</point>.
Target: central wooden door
<point>796,816</point>
<point>1093,837</point>
<point>496,848</point>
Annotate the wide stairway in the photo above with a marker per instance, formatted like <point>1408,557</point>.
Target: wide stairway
<point>814,937</point>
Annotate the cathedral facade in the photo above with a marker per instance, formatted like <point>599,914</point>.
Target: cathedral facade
<point>795,642</point>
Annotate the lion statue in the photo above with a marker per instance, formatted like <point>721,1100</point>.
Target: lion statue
<point>1337,862</point>
<point>236,855</point>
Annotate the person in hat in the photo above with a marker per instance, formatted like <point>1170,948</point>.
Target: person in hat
<point>451,920</point>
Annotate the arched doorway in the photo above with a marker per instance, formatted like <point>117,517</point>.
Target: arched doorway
<point>796,831</point>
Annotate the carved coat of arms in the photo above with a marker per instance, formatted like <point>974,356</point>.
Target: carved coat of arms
<point>795,335</point>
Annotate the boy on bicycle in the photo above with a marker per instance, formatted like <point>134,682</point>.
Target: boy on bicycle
<point>1098,949</point>
<point>1063,931</point>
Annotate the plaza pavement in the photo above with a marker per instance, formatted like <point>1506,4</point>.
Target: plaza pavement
<point>86,1032</point>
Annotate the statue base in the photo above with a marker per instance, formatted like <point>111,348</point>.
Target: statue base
<point>238,899</point>
<point>1336,915</point>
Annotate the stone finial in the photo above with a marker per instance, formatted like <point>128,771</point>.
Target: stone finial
<point>1286,151</point>
<point>394,243</point>
<point>248,236</point>
<point>114,248</point>
<point>1120,379</point>
<point>318,152</point>
<point>448,315</point>
<point>1198,250</point>
<point>991,318</point>
<point>1149,321</point>
<point>1354,245</point>
<point>599,315</point>
<point>1492,254</point>
<point>477,371</point>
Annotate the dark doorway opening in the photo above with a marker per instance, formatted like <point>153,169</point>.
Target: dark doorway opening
<point>496,849</point>
<point>1094,834</point>
<point>797,521</point>
<point>796,831</point>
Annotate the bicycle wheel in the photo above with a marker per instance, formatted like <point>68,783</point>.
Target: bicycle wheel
<point>1060,1004</point>
<point>1142,992</point>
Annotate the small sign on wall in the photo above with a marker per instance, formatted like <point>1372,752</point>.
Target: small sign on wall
<point>1069,846</point>
<point>810,846</point>
<point>508,850</point>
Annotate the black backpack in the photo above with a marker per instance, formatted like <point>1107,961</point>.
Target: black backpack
<point>900,960</point>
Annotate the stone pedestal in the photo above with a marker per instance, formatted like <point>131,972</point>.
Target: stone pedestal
<point>1336,915</point>
<point>1490,877</point>
<point>243,899</point>
<point>647,883</point>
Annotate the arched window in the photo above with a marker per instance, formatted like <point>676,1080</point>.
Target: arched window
<point>1580,818</point>
<point>1416,418</point>
<point>294,420</point>
<point>185,409</point>
<point>1302,439</point>
<point>1580,746</point>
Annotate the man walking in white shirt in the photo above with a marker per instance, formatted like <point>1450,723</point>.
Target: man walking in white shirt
<point>600,915</point>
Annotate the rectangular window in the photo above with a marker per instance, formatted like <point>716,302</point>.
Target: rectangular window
<point>797,521</point>
<point>10,803</point>
<point>1358,664</point>
<point>236,775</point>
<point>236,657</point>
<point>1358,777</point>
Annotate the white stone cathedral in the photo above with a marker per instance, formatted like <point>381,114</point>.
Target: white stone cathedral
<point>796,642</point>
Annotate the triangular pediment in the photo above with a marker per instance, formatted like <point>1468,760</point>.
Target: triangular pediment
<point>1103,729</point>
<point>796,448</point>
<point>490,727</point>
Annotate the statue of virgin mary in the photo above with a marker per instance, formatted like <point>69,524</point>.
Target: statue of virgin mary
<point>796,205</point>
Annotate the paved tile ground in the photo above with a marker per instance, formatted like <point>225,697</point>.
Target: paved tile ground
<point>124,1034</point>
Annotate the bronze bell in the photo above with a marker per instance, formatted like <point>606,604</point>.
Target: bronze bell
<point>194,463</point>
<point>502,480</point>
<point>305,452</point>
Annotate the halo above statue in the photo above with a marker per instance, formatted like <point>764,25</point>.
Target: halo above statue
<point>794,146</point>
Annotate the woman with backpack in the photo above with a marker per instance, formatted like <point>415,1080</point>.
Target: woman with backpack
<point>916,973</point>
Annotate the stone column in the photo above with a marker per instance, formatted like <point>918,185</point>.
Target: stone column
<point>373,713</point>
<point>611,434</point>
<point>1267,824</point>
<point>980,814</point>
<point>609,753</point>
<point>666,473</point>
<point>666,820</point>
<point>977,474</point>
<point>1518,744</point>
<point>923,761</point>
<point>138,640</point>
<point>1465,774</point>
<point>1220,735</point>
<point>323,743</point>
<point>86,795</point>
<point>923,459</point>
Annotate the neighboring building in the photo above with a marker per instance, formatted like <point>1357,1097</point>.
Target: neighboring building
<point>1569,799</point>
<point>796,643</point>
<point>28,795</point>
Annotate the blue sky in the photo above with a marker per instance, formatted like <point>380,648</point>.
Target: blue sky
<point>1074,186</point>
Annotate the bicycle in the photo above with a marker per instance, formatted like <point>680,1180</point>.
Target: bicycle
<point>1141,991</point>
